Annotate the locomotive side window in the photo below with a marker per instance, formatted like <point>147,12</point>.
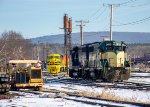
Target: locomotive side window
<point>109,48</point>
<point>124,48</point>
<point>118,48</point>
<point>108,44</point>
<point>83,49</point>
<point>91,49</point>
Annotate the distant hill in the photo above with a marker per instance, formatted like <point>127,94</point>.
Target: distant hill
<point>128,37</point>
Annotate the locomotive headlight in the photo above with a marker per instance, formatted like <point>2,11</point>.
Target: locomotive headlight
<point>127,68</point>
<point>91,69</point>
<point>76,69</point>
<point>109,68</point>
<point>92,74</point>
<point>75,74</point>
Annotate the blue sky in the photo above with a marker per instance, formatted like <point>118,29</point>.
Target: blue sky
<point>34,18</point>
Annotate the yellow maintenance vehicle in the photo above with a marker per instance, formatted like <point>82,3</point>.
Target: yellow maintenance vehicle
<point>25,74</point>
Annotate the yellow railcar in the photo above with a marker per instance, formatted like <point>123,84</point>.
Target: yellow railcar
<point>54,63</point>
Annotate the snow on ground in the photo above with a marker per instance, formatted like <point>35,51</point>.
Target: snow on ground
<point>101,101</point>
<point>140,74</point>
<point>143,96</point>
<point>32,100</point>
<point>140,80</point>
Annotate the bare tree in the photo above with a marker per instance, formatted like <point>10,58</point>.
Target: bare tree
<point>14,46</point>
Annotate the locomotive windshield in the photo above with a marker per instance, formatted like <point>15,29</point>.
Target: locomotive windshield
<point>50,57</point>
<point>108,46</point>
<point>112,46</point>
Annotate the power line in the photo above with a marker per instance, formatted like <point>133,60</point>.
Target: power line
<point>144,4</point>
<point>134,22</point>
<point>95,13</point>
<point>130,1</point>
<point>99,15</point>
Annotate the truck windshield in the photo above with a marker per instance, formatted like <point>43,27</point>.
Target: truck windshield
<point>35,73</point>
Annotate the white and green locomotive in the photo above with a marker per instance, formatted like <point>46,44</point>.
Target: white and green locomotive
<point>106,60</point>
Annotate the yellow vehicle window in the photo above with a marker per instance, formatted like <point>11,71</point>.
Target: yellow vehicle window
<point>36,74</point>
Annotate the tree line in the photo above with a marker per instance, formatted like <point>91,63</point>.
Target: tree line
<point>14,46</point>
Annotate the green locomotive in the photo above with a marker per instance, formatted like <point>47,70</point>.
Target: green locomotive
<point>106,60</point>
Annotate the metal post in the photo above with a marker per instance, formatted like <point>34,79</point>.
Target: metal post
<point>67,37</point>
<point>66,49</point>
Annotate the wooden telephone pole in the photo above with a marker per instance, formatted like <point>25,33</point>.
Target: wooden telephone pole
<point>82,23</point>
<point>111,16</point>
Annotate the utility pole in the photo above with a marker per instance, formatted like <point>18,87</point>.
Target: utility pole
<point>46,50</point>
<point>43,54</point>
<point>38,51</point>
<point>82,23</point>
<point>5,62</point>
<point>111,16</point>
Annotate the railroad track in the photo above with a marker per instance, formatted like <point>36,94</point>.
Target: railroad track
<point>88,100</point>
<point>119,85</point>
<point>140,76</point>
<point>139,72</point>
<point>109,103</point>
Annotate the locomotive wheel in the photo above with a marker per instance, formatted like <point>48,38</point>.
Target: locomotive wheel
<point>71,73</point>
<point>75,74</point>
<point>92,75</point>
<point>37,88</point>
<point>126,75</point>
<point>85,75</point>
<point>112,77</point>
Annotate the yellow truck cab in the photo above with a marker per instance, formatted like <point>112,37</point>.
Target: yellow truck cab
<point>25,74</point>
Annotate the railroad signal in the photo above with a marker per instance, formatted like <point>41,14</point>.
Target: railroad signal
<point>67,37</point>
<point>70,25</point>
<point>66,21</point>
